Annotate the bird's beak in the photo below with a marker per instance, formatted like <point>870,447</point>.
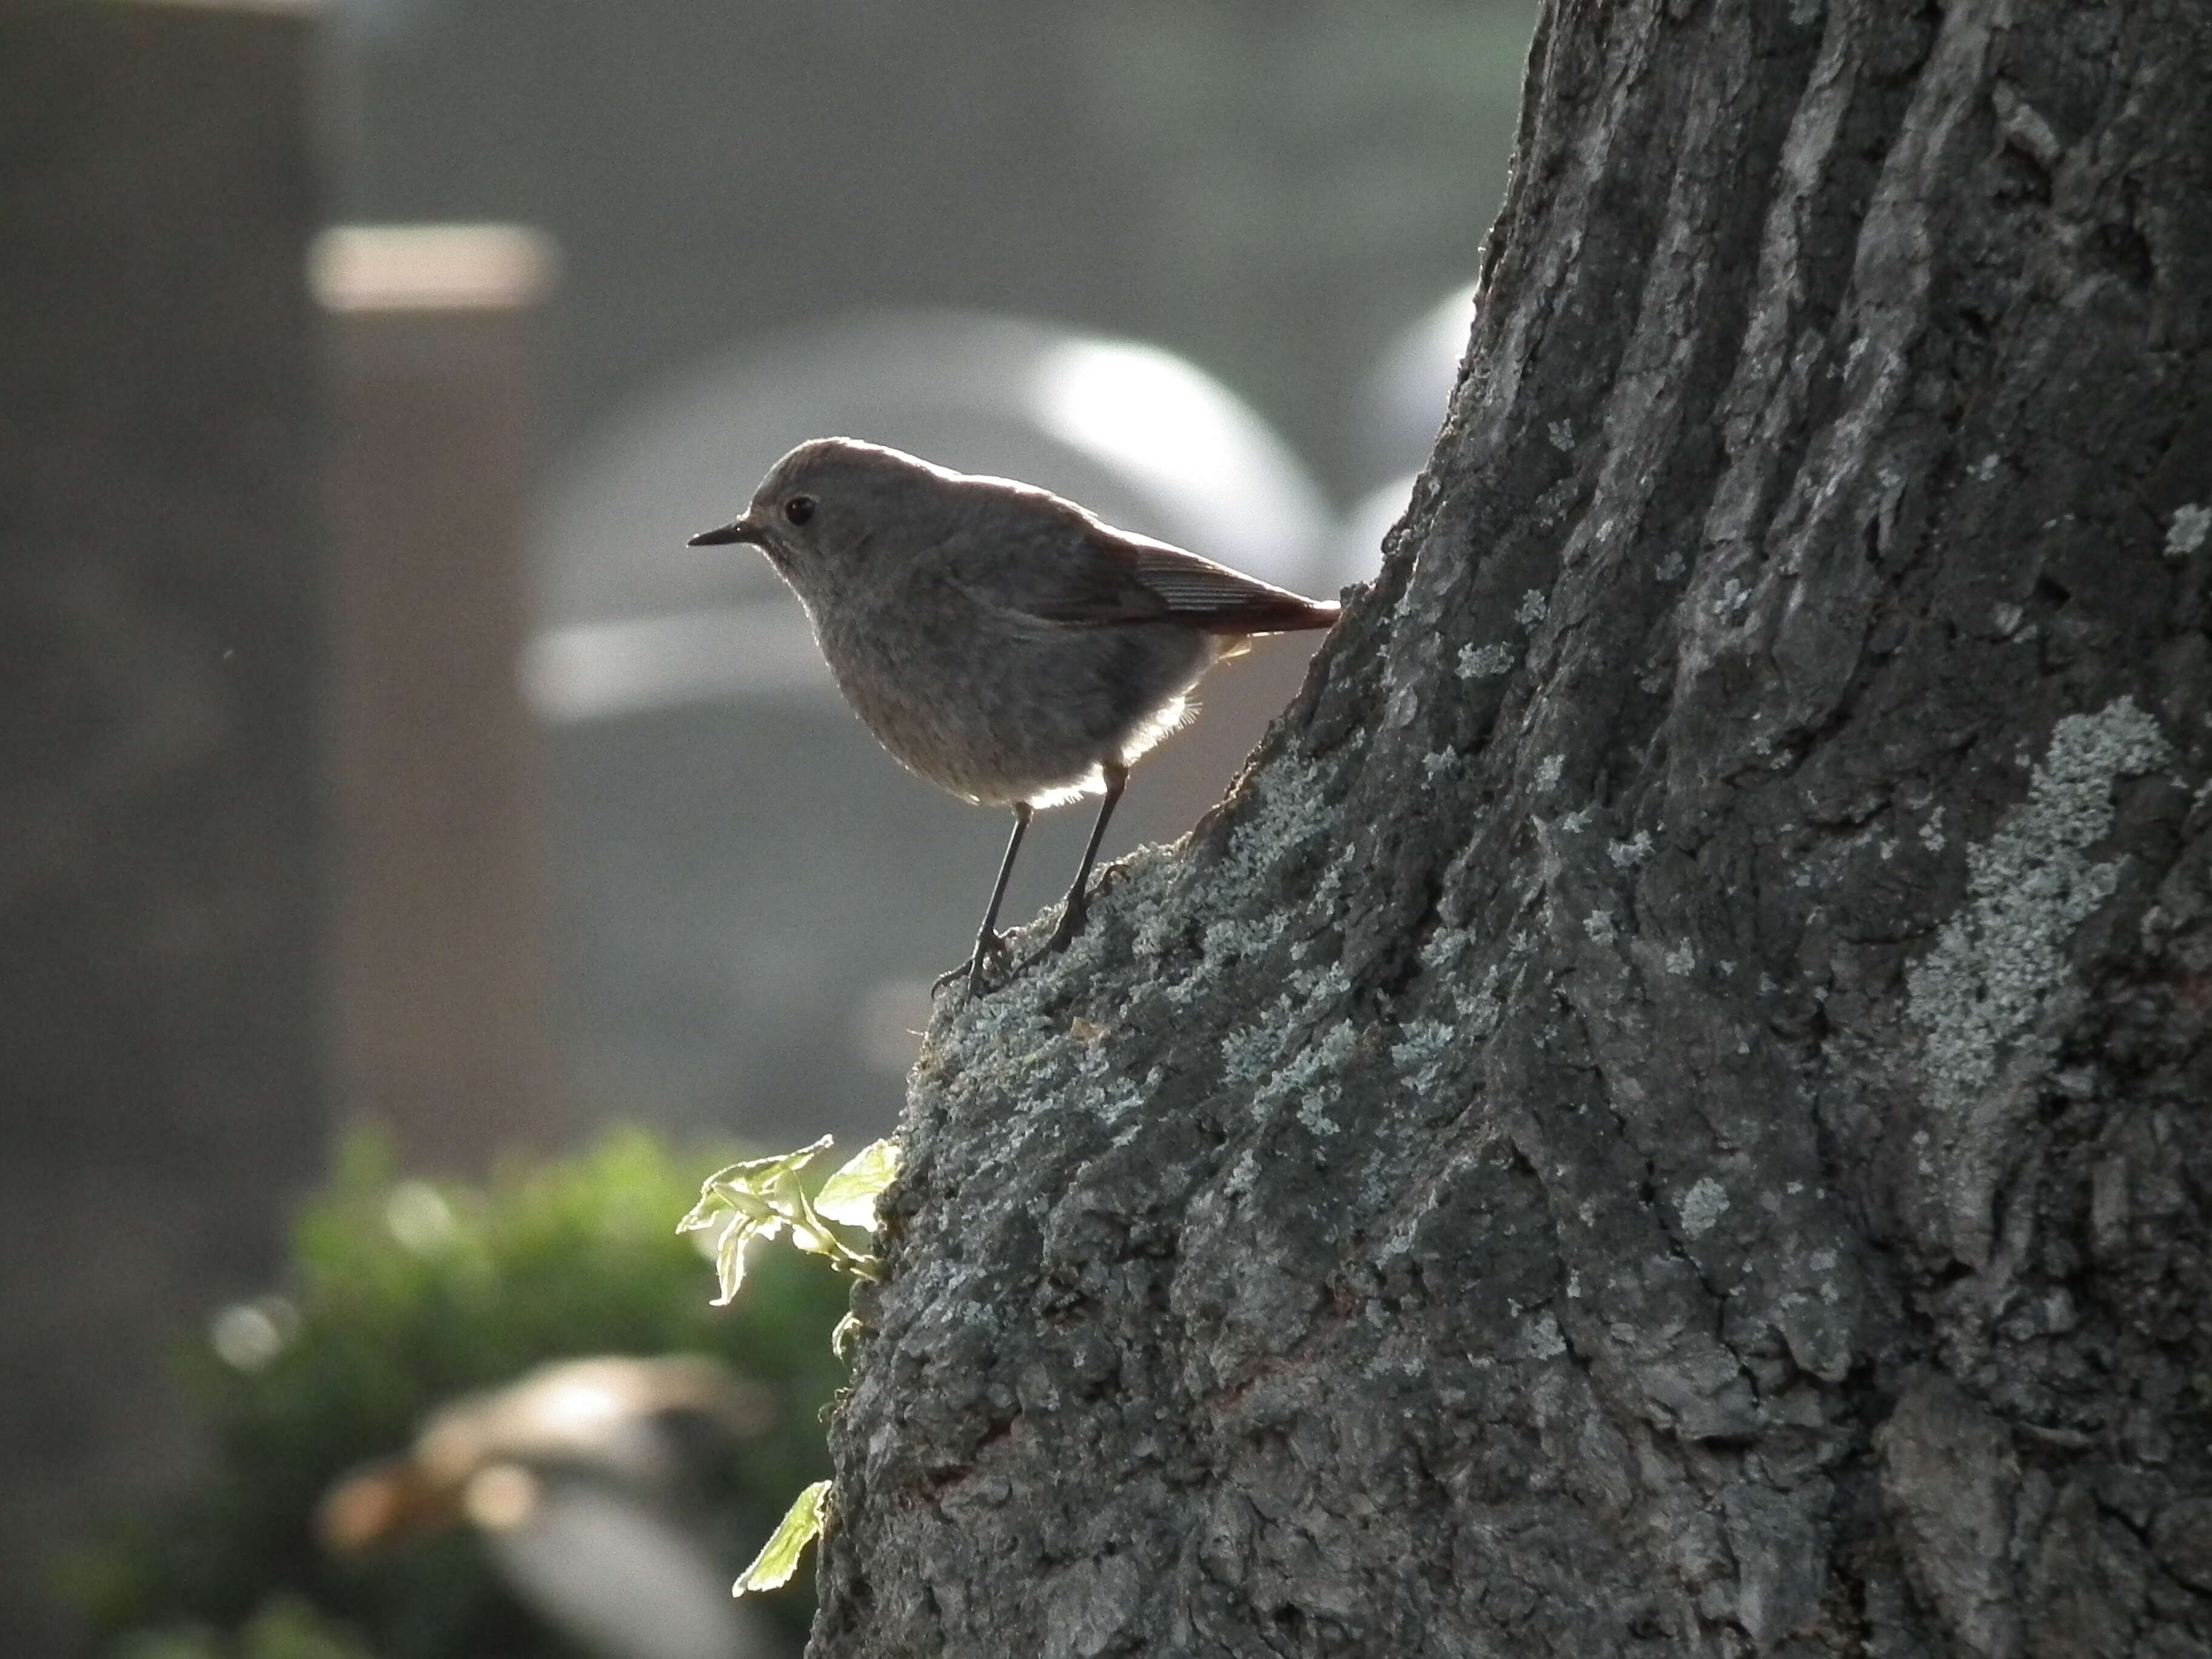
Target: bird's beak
<point>740,529</point>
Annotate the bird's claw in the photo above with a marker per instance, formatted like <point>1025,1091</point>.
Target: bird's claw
<point>991,948</point>
<point>1063,935</point>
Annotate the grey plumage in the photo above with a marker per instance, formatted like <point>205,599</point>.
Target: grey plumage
<point>1001,642</point>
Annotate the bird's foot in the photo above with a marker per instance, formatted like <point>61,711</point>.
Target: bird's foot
<point>1071,924</point>
<point>992,950</point>
<point>1072,917</point>
<point>989,948</point>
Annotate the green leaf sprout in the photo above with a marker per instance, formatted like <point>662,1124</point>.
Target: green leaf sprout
<point>850,1195</point>
<point>762,1197</point>
<point>778,1557</point>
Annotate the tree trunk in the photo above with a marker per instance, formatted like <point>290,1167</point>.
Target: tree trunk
<point>1666,1114</point>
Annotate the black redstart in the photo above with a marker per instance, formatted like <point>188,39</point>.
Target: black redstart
<point>998,640</point>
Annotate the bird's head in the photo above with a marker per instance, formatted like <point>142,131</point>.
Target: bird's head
<point>821,512</point>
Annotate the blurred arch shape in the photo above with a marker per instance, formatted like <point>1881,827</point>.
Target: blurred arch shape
<point>1401,404</point>
<point>1396,413</point>
<point>632,620</point>
<point>1356,550</point>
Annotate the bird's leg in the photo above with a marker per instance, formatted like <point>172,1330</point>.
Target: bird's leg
<point>989,944</point>
<point>1072,913</point>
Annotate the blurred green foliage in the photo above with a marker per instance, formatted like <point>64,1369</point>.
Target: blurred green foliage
<point>287,1628</point>
<point>400,1295</point>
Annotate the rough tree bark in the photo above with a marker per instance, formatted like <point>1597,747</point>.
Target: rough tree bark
<point>1668,1112</point>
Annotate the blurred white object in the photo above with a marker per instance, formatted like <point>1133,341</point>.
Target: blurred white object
<point>573,1479</point>
<point>1204,462</point>
<point>618,1577</point>
<point>634,621</point>
<point>431,267</point>
<point>591,671</point>
<point>1397,414</point>
<point>1355,555</point>
<point>1402,403</point>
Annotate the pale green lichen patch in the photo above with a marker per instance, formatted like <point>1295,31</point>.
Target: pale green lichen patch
<point>1153,890</point>
<point>1541,1338</point>
<point>1484,662</point>
<point>1285,812</point>
<point>1246,1053</point>
<point>1420,1043</point>
<point>1479,1012</point>
<point>1706,1202</point>
<point>976,1043</point>
<point>1046,1072</point>
<point>1026,1044</point>
<point>1988,998</point>
<point>2187,533</point>
<point>1242,936</point>
<point>1627,854</point>
<point>1445,946</point>
<point>1252,1053</point>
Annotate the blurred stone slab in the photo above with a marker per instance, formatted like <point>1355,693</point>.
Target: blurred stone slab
<point>161,645</point>
<point>441,982</point>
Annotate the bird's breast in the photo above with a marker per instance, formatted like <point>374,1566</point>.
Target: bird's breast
<point>1000,707</point>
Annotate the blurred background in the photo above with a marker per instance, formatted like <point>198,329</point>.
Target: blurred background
<point>373,752</point>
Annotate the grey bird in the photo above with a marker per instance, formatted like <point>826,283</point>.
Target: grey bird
<point>999,640</point>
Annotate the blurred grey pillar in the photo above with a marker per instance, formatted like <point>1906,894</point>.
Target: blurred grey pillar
<point>441,971</point>
<point>161,644</point>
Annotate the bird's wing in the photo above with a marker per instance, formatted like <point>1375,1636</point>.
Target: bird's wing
<point>1100,577</point>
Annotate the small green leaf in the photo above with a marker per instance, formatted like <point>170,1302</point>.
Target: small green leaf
<point>850,1195</point>
<point>730,1252</point>
<point>743,1200</point>
<point>704,1215</point>
<point>778,1557</point>
<point>764,1175</point>
<point>750,1188</point>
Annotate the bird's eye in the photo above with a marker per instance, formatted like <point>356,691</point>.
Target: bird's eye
<point>800,508</point>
